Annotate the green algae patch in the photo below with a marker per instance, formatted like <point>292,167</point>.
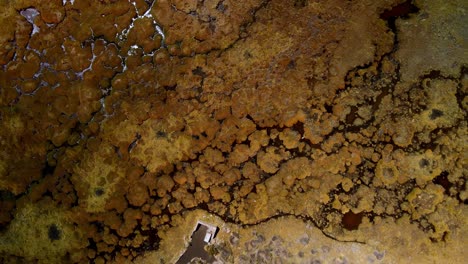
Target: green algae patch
<point>42,233</point>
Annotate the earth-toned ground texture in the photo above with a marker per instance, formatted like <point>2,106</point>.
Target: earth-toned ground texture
<point>308,131</point>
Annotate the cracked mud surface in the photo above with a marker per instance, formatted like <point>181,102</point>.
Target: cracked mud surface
<point>308,131</point>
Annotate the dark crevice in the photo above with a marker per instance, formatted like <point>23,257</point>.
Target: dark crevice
<point>54,233</point>
<point>47,169</point>
<point>402,10</point>
<point>443,181</point>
